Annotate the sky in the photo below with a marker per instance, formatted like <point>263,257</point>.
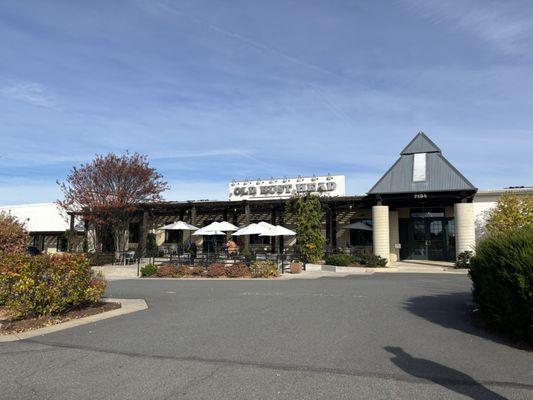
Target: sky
<point>218,90</point>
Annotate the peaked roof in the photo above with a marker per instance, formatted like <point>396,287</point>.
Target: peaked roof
<point>440,174</point>
<point>420,144</point>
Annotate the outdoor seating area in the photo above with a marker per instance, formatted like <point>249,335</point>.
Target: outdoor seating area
<point>223,244</point>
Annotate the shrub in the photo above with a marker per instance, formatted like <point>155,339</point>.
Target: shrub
<point>341,260</point>
<point>502,277</point>
<point>167,270</point>
<point>306,212</point>
<point>47,284</point>
<point>216,270</point>
<point>148,270</point>
<point>372,261</point>
<point>13,236</point>
<point>184,270</point>
<point>237,270</point>
<point>463,259</point>
<point>197,271</point>
<point>296,267</point>
<point>151,245</point>
<point>264,269</point>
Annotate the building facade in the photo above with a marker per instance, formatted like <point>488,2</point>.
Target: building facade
<point>421,208</point>
<point>46,224</point>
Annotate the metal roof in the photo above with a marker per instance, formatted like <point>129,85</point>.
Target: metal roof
<point>441,175</point>
<point>43,217</point>
<point>421,144</point>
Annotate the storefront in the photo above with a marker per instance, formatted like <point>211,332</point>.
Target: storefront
<point>420,209</point>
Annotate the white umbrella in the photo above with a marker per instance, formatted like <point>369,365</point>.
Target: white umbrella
<point>358,226</point>
<point>278,231</point>
<point>179,226</point>
<point>223,226</point>
<point>245,231</point>
<point>254,229</point>
<point>208,230</point>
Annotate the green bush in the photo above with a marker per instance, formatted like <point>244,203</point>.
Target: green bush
<point>340,260</point>
<point>373,261</point>
<point>148,270</point>
<point>502,277</point>
<point>463,259</point>
<point>151,245</point>
<point>238,270</point>
<point>47,284</point>
<point>264,269</point>
<point>216,270</point>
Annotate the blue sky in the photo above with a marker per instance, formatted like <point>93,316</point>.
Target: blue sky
<point>215,90</point>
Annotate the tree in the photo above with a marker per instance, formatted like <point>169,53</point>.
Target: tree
<point>307,215</point>
<point>13,235</point>
<point>513,211</point>
<point>106,191</point>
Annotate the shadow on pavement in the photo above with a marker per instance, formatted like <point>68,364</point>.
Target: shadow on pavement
<point>447,377</point>
<point>449,310</point>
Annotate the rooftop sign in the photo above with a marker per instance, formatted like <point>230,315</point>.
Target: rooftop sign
<point>284,188</point>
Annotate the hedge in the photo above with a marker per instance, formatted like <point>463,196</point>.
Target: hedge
<point>47,284</point>
<point>502,276</point>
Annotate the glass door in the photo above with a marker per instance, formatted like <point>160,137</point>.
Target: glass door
<point>418,240</point>
<point>428,239</point>
<point>436,239</point>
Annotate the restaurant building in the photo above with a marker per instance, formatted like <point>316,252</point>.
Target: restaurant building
<point>421,208</point>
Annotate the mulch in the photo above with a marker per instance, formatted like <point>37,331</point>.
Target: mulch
<point>23,325</point>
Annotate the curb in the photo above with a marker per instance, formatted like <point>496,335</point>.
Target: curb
<point>128,306</point>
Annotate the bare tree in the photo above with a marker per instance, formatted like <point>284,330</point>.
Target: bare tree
<point>106,191</point>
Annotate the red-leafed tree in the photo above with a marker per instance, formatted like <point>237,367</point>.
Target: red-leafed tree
<point>13,235</point>
<point>109,188</point>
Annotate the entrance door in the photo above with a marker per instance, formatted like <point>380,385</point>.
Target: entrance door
<point>427,239</point>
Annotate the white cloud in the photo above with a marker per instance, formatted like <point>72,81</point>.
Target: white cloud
<point>30,93</point>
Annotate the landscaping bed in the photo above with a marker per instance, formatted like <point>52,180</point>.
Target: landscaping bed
<point>258,269</point>
<point>8,326</point>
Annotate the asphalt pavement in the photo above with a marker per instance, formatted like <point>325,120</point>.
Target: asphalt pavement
<point>381,336</point>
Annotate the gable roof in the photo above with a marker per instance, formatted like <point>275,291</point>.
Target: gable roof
<point>420,144</point>
<point>440,174</point>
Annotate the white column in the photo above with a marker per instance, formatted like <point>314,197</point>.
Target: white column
<point>394,236</point>
<point>380,231</point>
<point>465,229</point>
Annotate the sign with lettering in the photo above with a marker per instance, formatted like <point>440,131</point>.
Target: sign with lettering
<point>260,189</point>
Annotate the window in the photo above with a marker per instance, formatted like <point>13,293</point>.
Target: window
<point>62,244</point>
<point>427,212</point>
<point>173,236</point>
<point>134,230</point>
<point>360,237</point>
<point>419,167</point>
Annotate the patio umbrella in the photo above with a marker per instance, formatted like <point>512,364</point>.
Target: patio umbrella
<point>254,229</point>
<point>278,231</point>
<point>179,226</point>
<point>358,226</point>
<point>224,226</point>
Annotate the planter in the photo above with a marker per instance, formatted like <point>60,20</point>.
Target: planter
<point>296,267</point>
